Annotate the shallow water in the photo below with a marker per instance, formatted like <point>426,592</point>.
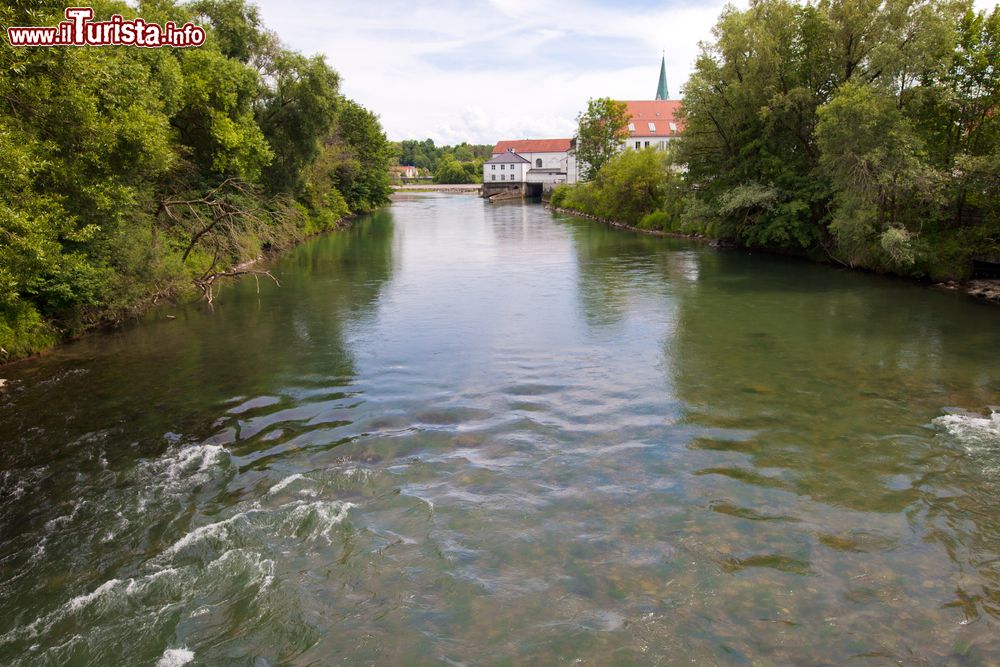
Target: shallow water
<point>469,434</point>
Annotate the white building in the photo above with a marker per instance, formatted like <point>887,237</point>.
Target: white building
<point>545,161</point>
<point>652,124</point>
<point>507,167</point>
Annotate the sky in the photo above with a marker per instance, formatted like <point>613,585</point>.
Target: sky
<point>481,71</point>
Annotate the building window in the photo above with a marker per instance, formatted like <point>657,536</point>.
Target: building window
<point>652,128</point>
<point>663,144</point>
<point>538,163</point>
<point>638,145</point>
<point>673,127</point>
<point>494,177</point>
<point>631,127</point>
<point>493,167</point>
<point>647,145</point>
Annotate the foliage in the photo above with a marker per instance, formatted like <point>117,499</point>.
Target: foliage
<point>655,220</point>
<point>450,170</point>
<point>601,131</point>
<point>633,185</point>
<point>131,174</point>
<point>365,154</point>
<point>859,130</point>
<point>425,155</point>
<point>558,197</point>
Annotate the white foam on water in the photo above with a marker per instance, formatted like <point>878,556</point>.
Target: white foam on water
<point>43,624</point>
<point>53,524</point>
<point>15,483</point>
<point>175,657</point>
<point>357,473</point>
<point>327,514</point>
<point>289,519</point>
<point>241,560</point>
<point>138,585</point>
<point>217,529</point>
<point>974,432</point>
<point>81,601</point>
<point>291,479</point>
<point>194,459</point>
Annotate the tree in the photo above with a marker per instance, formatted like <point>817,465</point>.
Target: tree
<point>363,176</point>
<point>878,169</point>
<point>133,175</point>
<point>449,170</point>
<point>296,113</point>
<point>855,130</point>
<point>601,129</point>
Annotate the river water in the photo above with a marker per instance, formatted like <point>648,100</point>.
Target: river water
<point>471,434</point>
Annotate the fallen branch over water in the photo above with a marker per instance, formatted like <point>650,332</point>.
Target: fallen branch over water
<point>206,283</point>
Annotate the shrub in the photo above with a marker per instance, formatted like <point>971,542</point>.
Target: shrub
<point>655,220</point>
<point>558,197</point>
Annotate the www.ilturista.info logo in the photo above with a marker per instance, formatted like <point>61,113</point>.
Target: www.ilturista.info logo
<point>79,30</point>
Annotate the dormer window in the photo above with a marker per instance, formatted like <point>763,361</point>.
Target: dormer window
<point>673,127</point>
<point>652,128</point>
<point>631,127</point>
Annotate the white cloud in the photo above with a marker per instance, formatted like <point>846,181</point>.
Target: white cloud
<point>480,72</point>
<point>455,70</point>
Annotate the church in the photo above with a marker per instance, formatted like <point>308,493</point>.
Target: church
<point>652,124</point>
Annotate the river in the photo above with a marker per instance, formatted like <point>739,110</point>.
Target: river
<point>463,433</point>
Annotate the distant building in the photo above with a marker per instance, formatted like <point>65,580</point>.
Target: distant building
<point>652,124</point>
<point>661,86</point>
<point>404,171</point>
<point>506,167</point>
<point>549,160</point>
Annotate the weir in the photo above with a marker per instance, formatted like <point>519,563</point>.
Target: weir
<point>505,191</point>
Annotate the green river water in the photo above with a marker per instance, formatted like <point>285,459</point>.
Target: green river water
<point>470,434</point>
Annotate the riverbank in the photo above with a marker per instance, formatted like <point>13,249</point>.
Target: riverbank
<point>985,290</point>
<point>249,267</point>
<point>718,243</point>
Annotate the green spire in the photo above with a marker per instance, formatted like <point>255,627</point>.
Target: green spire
<point>661,87</point>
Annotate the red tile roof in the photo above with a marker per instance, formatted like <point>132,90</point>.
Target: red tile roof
<point>658,112</point>
<point>534,146</point>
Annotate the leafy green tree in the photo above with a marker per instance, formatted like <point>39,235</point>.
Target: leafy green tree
<point>878,169</point>
<point>133,175</point>
<point>363,177</point>
<point>632,186</point>
<point>601,130</point>
<point>851,129</point>
<point>449,170</point>
<point>296,113</point>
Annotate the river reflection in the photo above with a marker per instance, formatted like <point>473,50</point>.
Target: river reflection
<point>476,433</point>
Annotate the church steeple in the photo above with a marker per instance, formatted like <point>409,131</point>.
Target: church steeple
<point>661,87</point>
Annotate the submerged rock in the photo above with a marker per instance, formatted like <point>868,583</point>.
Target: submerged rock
<point>985,289</point>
